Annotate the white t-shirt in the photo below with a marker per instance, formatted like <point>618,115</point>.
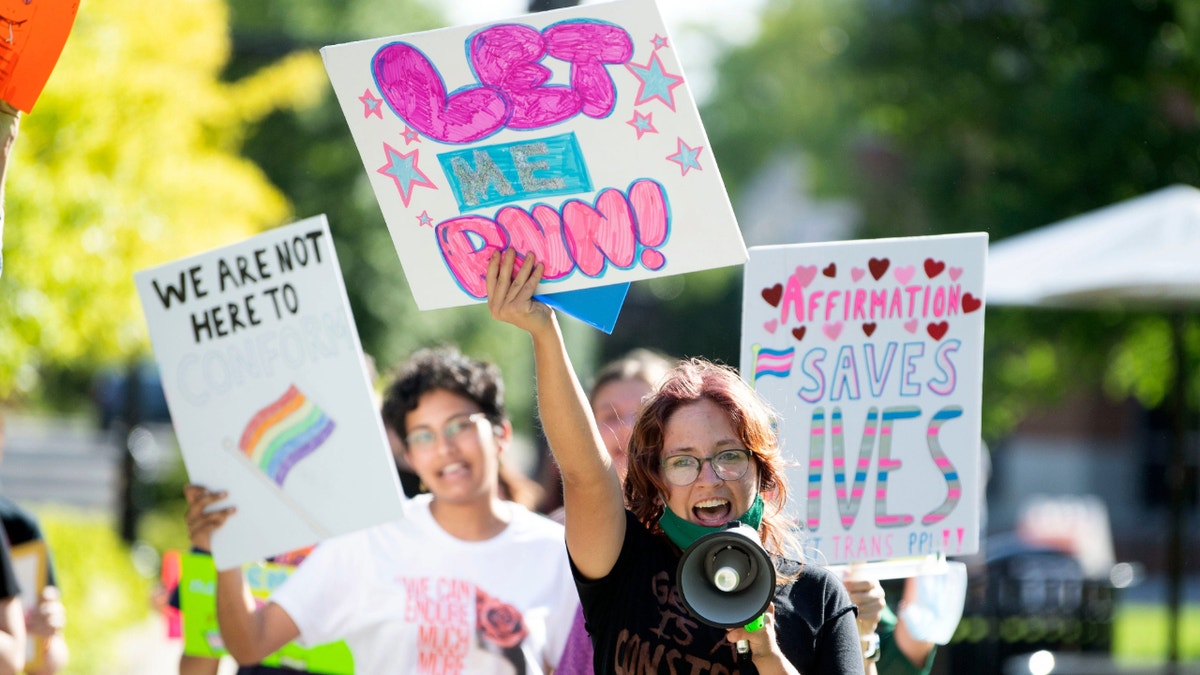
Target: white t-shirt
<point>407,597</point>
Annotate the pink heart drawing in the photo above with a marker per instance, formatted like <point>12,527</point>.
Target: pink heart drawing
<point>832,330</point>
<point>904,274</point>
<point>806,273</point>
<point>911,326</point>
<point>857,273</point>
<point>955,273</point>
<point>771,326</point>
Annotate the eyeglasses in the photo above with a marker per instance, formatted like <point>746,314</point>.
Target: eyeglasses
<point>683,470</point>
<point>425,439</point>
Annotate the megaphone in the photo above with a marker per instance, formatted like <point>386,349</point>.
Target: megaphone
<point>726,579</point>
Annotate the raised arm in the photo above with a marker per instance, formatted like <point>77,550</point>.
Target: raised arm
<point>249,634</point>
<point>591,489</point>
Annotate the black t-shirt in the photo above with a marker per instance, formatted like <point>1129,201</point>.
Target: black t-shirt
<point>639,624</point>
<point>8,578</point>
<point>21,527</point>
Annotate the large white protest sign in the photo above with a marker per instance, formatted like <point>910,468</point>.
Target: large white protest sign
<point>570,134</point>
<point>269,392</point>
<point>872,352</point>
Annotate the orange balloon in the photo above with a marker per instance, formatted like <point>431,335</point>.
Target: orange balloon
<point>32,35</point>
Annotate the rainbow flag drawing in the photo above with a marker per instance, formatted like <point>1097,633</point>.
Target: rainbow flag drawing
<point>775,362</point>
<point>283,433</point>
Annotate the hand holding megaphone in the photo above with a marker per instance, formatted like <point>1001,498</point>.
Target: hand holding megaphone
<point>727,580</point>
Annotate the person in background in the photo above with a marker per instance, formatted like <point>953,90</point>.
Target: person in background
<point>617,392</point>
<point>12,623</point>
<point>465,582</point>
<point>10,120</point>
<point>47,618</point>
<point>703,453</point>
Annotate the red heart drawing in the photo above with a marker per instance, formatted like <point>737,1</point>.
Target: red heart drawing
<point>869,328</point>
<point>970,303</point>
<point>878,267</point>
<point>830,271</point>
<point>798,333</point>
<point>805,274</point>
<point>937,330</point>
<point>773,294</point>
<point>933,267</point>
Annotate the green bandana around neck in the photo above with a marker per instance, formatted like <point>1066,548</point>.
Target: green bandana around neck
<point>682,532</point>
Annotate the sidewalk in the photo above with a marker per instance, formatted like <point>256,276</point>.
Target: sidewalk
<point>146,650</point>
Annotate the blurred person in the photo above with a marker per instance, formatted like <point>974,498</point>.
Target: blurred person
<point>10,120</point>
<point>465,582</point>
<point>703,453</point>
<point>616,395</point>
<point>12,623</point>
<point>47,618</point>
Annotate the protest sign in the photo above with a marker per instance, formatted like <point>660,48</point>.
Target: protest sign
<point>32,35</point>
<point>872,353</point>
<point>202,635</point>
<point>268,391</point>
<point>31,568</point>
<point>571,134</point>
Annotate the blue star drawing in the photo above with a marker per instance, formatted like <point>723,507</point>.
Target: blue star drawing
<point>659,41</point>
<point>404,171</point>
<point>686,157</point>
<point>654,82</point>
<point>410,136</point>
<point>643,123</point>
<point>424,220</point>
<point>371,105</point>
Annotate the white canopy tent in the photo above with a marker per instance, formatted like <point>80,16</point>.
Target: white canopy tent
<point>1139,254</point>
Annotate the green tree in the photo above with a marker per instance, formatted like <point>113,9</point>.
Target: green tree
<point>959,116</point>
<point>129,159</point>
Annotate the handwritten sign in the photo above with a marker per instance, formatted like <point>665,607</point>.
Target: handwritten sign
<point>202,635</point>
<point>872,353</point>
<point>31,568</point>
<point>570,134</point>
<point>32,36</point>
<point>268,390</point>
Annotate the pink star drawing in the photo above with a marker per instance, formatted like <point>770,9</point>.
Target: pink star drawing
<point>424,220</point>
<point>371,105</point>
<point>643,123</point>
<point>659,41</point>
<point>654,82</point>
<point>686,157</point>
<point>403,169</point>
<point>410,136</point>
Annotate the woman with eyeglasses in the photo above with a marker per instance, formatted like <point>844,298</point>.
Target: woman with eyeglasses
<point>466,582</point>
<point>703,453</point>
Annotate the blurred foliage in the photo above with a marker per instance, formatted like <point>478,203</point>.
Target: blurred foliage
<point>131,158</point>
<point>1140,633</point>
<point>103,593</point>
<point>961,116</point>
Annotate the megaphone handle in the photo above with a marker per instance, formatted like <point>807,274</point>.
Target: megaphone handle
<point>743,646</point>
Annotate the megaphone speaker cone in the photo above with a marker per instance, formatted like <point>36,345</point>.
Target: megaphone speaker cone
<point>726,579</point>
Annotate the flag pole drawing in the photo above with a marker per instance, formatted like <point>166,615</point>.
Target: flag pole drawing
<point>774,362</point>
<point>279,436</point>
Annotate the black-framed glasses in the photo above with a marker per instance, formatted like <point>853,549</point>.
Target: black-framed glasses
<point>683,470</point>
<point>425,439</point>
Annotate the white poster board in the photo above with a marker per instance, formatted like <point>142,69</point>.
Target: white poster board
<point>872,352</point>
<point>269,392</point>
<point>571,134</point>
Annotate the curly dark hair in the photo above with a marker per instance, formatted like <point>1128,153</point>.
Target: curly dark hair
<point>448,369</point>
